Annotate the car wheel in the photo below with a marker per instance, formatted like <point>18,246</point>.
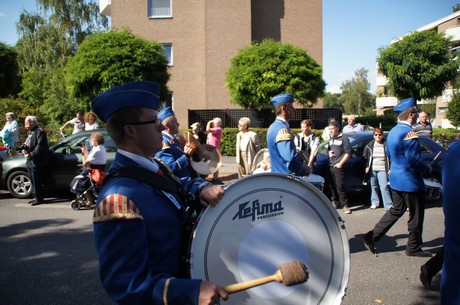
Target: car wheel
<point>19,185</point>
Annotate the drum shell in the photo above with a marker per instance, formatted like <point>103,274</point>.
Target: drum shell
<point>266,220</point>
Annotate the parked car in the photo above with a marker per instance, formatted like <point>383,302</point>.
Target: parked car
<point>66,163</point>
<point>354,168</point>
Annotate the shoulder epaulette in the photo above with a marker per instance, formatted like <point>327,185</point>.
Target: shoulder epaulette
<point>283,135</point>
<point>165,146</point>
<point>411,135</point>
<point>116,207</point>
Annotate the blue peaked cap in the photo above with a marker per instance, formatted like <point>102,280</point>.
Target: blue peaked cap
<point>282,98</point>
<point>404,105</point>
<point>130,95</point>
<point>165,113</point>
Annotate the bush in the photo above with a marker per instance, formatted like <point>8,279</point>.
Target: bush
<point>228,141</point>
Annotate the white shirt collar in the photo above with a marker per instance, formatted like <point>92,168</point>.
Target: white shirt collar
<point>145,163</point>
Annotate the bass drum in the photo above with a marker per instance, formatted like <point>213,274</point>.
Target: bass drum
<point>262,222</point>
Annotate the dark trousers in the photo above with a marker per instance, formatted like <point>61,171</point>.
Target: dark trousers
<point>36,178</point>
<point>401,201</point>
<point>434,264</point>
<point>337,186</point>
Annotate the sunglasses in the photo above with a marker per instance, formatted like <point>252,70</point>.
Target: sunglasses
<point>154,121</point>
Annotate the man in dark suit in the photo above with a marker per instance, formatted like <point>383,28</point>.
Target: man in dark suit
<point>37,157</point>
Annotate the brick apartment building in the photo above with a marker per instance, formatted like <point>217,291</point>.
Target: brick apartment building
<point>201,37</point>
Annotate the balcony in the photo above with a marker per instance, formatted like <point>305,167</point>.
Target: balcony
<point>384,102</point>
<point>105,7</point>
<point>454,33</point>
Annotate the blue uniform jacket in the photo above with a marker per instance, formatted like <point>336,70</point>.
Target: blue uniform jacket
<point>282,150</point>
<point>139,232</point>
<point>450,279</point>
<point>174,157</point>
<point>407,167</point>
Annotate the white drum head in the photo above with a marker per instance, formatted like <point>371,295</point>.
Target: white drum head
<point>262,222</point>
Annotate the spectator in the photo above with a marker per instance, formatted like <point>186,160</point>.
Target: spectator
<point>352,126</point>
<point>198,133</point>
<point>90,121</point>
<point>339,151</point>
<point>178,160</point>
<point>280,140</point>
<point>139,228</point>
<point>423,128</point>
<point>377,167</point>
<point>37,154</point>
<point>78,123</point>
<point>247,146</point>
<point>214,130</point>
<point>326,133</point>
<point>307,143</point>
<point>406,182</point>
<point>97,156</point>
<point>10,133</point>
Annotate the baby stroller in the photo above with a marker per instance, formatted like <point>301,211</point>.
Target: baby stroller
<point>85,186</point>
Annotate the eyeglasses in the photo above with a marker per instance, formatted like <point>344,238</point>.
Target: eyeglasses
<point>378,135</point>
<point>154,121</point>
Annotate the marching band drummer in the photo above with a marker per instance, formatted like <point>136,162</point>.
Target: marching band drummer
<point>280,140</point>
<point>177,159</point>
<point>139,228</point>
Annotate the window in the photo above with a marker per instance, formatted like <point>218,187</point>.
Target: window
<point>168,52</point>
<point>160,8</point>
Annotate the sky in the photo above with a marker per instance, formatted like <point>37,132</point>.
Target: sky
<point>353,31</point>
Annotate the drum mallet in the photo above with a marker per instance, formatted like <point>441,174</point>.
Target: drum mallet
<point>434,159</point>
<point>291,273</point>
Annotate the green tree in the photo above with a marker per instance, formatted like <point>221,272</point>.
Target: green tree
<point>262,70</point>
<point>355,96</point>
<point>332,100</point>
<point>47,39</point>
<point>9,80</point>
<point>453,111</point>
<point>419,65</point>
<point>112,58</point>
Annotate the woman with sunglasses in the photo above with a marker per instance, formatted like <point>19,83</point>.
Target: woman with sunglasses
<point>378,166</point>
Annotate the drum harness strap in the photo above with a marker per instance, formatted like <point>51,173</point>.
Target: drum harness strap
<point>166,184</point>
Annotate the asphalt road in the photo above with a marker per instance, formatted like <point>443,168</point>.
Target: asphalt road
<point>47,256</point>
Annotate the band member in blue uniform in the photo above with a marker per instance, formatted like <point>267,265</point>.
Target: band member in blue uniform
<point>280,140</point>
<point>450,279</point>
<point>406,182</point>
<point>177,159</point>
<point>139,227</point>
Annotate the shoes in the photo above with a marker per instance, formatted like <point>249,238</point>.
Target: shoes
<point>419,253</point>
<point>346,210</point>
<point>425,277</point>
<point>35,202</point>
<point>369,243</point>
<point>373,207</point>
<point>336,204</point>
<point>31,201</point>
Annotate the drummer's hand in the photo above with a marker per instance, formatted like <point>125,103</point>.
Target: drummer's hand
<point>188,151</point>
<point>211,195</point>
<point>211,293</point>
